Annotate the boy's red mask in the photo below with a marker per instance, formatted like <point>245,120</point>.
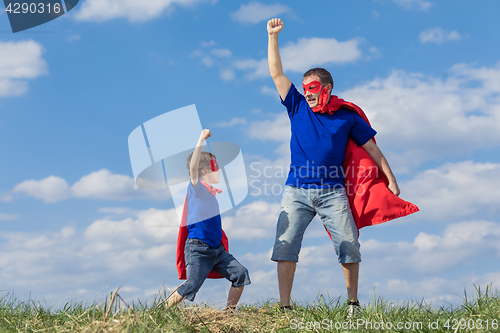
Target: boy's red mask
<point>214,166</point>
<point>316,87</point>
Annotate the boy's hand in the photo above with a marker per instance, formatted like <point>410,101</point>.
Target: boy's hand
<point>205,134</point>
<point>274,26</point>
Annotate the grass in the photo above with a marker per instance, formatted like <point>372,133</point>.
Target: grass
<point>479,313</point>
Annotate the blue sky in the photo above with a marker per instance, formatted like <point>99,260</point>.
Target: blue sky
<point>74,227</point>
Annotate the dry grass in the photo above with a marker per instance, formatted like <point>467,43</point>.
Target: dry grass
<point>114,316</point>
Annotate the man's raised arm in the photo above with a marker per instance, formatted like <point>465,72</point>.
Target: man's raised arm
<point>281,82</point>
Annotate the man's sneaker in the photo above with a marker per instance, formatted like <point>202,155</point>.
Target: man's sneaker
<point>353,309</point>
<point>285,310</point>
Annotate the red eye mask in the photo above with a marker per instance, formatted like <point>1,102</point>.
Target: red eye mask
<point>214,166</point>
<point>313,87</point>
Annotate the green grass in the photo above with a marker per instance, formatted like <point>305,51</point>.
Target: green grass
<point>479,313</point>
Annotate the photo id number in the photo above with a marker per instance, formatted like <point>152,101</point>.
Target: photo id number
<point>40,8</point>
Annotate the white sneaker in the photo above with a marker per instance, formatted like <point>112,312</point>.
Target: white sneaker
<point>353,309</point>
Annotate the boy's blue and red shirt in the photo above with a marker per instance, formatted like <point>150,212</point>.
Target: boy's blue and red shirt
<point>318,142</point>
<point>204,221</point>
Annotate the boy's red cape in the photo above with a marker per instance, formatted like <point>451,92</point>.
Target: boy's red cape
<point>370,200</point>
<point>183,233</point>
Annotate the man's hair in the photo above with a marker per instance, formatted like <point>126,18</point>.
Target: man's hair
<point>204,163</point>
<point>324,76</point>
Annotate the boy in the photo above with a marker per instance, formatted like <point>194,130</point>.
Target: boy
<point>203,250</point>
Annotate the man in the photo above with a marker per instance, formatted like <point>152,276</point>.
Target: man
<point>315,184</point>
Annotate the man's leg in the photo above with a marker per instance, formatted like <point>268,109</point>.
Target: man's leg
<point>297,211</point>
<point>351,273</point>
<point>286,272</point>
<point>334,210</point>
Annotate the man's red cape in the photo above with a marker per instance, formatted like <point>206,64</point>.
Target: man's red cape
<point>366,186</point>
<point>181,242</point>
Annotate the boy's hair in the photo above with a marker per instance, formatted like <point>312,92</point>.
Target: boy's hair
<point>324,76</point>
<point>204,163</point>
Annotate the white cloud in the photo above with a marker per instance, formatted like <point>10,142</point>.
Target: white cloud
<point>19,61</point>
<point>208,44</point>
<point>420,118</point>
<point>409,4</point>
<point>255,220</point>
<point>72,38</point>
<point>134,11</point>
<point>438,35</point>
<point>271,91</point>
<point>456,190</point>
<point>297,57</point>
<point>460,246</point>
<point>12,88</point>
<point>275,129</point>
<point>205,58</point>
<point>255,68</point>
<point>221,53</point>
<point>8,217</point>
<point>139,251</point>
<point>255,12</point>
<point>491,279</point>
<point>227,74</point>
<point>132,250</point>
<point>50,189</point>
<point>103,184</point>
<point>233,122</point>
<point>216,57</point>
<point>100,184</point>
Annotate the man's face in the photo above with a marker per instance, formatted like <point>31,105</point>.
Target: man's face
<point>312,90</point>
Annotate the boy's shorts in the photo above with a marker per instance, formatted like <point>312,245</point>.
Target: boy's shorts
<point>201,259</point>
<point>299,206</point>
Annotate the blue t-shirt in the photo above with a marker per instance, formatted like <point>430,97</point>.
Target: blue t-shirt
<point>204,222</point>
<point>319,140</point>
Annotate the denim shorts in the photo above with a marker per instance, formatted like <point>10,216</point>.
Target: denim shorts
<point>201,259</point>
<point>299,206</point>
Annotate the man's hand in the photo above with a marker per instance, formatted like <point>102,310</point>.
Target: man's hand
<point>274,26</point>
<point>394,188</point>
<point>282,83</point>
<point>373,150</point>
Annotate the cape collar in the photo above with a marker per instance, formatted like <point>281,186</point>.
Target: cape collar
<point>212,190</point>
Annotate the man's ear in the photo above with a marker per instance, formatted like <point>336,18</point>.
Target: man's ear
<point>329,87</point>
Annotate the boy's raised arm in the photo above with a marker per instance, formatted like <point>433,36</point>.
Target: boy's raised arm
<point>282,83</point>
<point>195,159</point>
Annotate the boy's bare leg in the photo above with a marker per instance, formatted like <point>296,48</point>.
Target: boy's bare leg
<point>286,271</point>
<point>174,299</point>
<point>234,296</point>
<point>351,273</point>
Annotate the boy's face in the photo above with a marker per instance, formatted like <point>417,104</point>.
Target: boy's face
<point>211,176</point>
